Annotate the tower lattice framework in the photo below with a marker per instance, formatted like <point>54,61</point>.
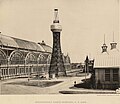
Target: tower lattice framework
<point>57,67</point>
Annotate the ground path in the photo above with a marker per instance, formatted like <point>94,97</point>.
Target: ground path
<point>20,89</point>
<point>63,86</point>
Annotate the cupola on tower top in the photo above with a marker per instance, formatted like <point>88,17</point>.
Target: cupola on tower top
<point>56,27</point>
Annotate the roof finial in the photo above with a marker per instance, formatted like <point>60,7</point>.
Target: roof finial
<point>104,46</point>
<point>113,36</point>
<point>104,38</point>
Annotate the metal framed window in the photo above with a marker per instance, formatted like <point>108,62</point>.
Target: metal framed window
<point>107,75</point>
<point>115,75</point>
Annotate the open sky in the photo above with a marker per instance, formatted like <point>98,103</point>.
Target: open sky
<point>84,23</point>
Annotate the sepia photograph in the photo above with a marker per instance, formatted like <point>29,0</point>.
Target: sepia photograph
<point>61,51</point>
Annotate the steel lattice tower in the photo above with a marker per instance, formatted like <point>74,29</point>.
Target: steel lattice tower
<point>57,67</point>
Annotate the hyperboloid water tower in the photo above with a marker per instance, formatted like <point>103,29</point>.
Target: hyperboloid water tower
<point>57,68</point>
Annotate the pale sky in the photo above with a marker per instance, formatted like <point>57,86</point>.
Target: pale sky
<point>84,23</point>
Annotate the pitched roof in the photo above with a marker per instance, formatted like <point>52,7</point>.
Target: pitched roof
<point>104,61</point>
<point>108,60</point>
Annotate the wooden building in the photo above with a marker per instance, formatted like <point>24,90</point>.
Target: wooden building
<point>107,68</point>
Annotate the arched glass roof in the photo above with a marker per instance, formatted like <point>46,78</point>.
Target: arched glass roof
<point>47,48</point>
<point>7,41</point>
<point>28,45</point>
<point>24,44</point>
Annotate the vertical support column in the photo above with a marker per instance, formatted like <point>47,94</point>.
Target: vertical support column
<point>0,73</point>
<point>119,76</point>
<point>96,78</point>
<point>111,78</point>
<point>0,80</point>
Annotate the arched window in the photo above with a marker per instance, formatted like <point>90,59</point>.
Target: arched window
<point>3,57</point>
<point>16,57</point>
<point>67,59</point>
<point>41,59</point>
<point>31,59</point>
<point>49,59</point>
